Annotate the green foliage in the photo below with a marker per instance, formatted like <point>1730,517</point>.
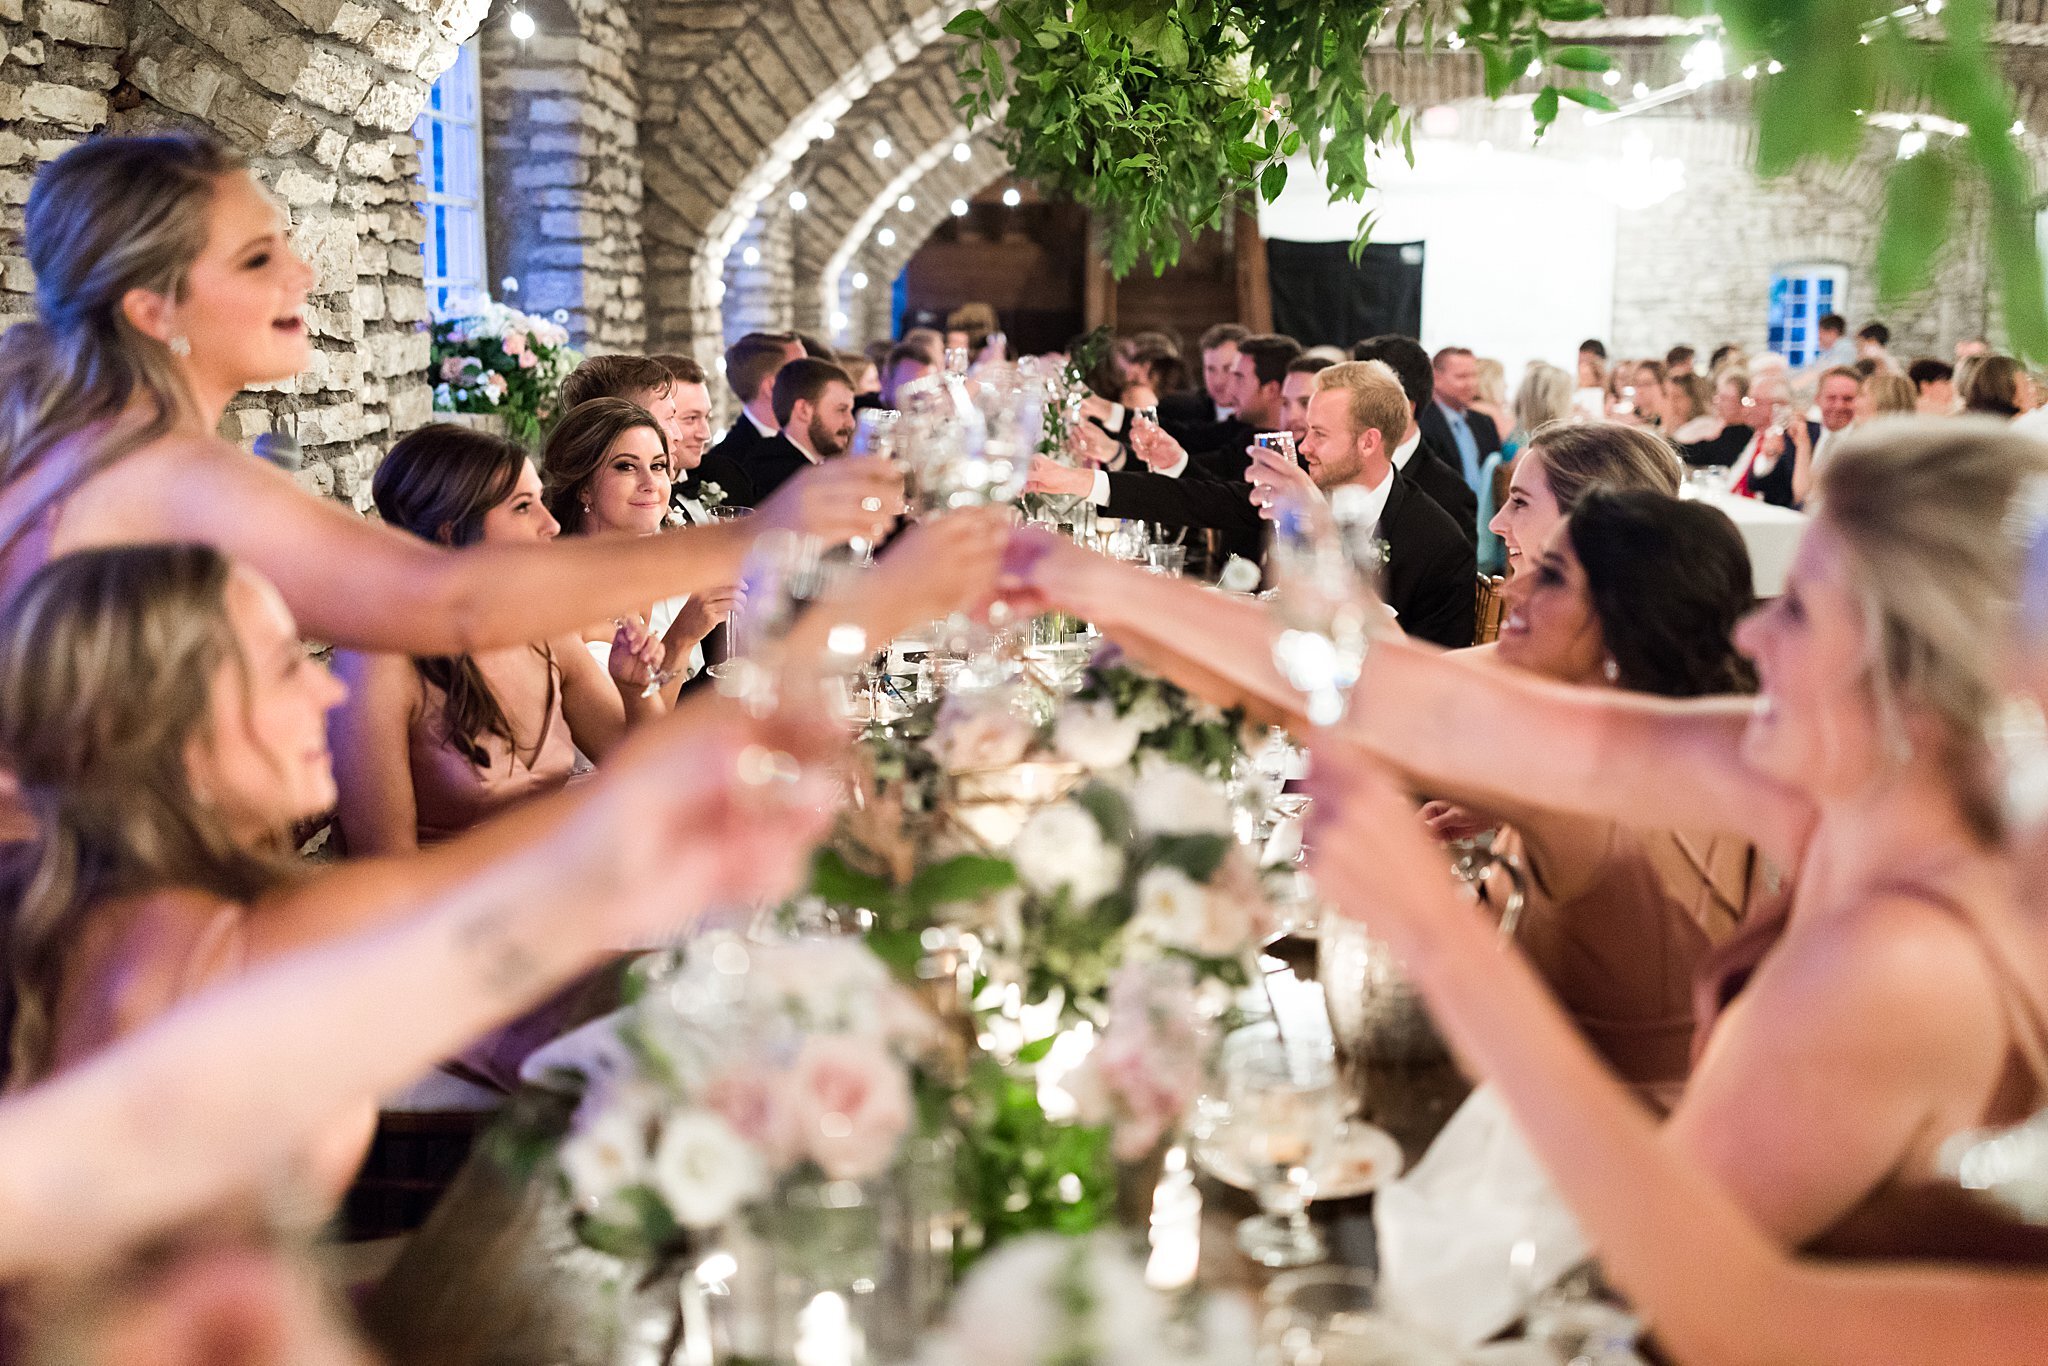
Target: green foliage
<point>1021,1172</point>
<point>1162,113</point>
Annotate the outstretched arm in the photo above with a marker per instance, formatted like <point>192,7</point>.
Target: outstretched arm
<point>356,583</point>
<point>1714,1285</point>
<point>225,1088</point>
<point>1465,725</point>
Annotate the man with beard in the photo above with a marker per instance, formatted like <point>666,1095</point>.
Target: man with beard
<point>814,405</point>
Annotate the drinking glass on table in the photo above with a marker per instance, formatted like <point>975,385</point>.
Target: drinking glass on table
<point>1284,1111</point>
<point>1166,559</point>
<point>1324,1315</point>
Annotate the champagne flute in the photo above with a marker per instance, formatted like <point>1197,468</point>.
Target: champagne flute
<point>1324,613</point>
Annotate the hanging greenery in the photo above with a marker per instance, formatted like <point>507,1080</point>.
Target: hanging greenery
<point>1160,114</point>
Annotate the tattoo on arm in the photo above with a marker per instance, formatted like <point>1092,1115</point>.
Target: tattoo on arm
<point>506,965</point>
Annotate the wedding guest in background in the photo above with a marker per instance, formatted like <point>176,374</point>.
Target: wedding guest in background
<point>1358,415</point>
<point>1872,339</point>
<point>1934,386</point>
<point>1731,428</point>
<point>1837,396</point>
<point>864,373</point>
<point>1886,394</point>
<point>606,472</point>
<point>1642,396</point>
<point>1217,397</point>
<point>165,284</point>
<point>1450,424</point>
<point>1995,386</point>
<point>1969,347</point>
<point>1544,397</point>
<point>702,480</point>
<point>1689,415</point>
<point>426,748</point>
<point>1592,364</point>
<point>1727,353</point>
<point>1768,468</point>
<point>906,362</point>
<point>1493,399</point>
<point>1834,346</point>
<point>1434,471</point>
<point>970,326</point>
<point>813,401</point>
<point>1678,362</point>
<point>1296,390</point>
<point>751,364</point>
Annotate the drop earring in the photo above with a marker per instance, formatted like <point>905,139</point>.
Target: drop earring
<point>1610,670</point>
<point>181,345</point>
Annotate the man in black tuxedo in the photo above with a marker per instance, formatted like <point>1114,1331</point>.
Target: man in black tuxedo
<point>1215,400</point>
<point>1449,423</point>
<point>751,364</point>
<point>1194,486</point>
<point>813,404</point>
<point>1354,421</point>
<point>1434,472</point>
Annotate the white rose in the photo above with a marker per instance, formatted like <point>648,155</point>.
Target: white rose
<point>1062,846</point>
<point>704,1171</point>
<point>605,1153</point>
<point>1172,799</point>
<point>979,733</point>
<point>1092,734</point>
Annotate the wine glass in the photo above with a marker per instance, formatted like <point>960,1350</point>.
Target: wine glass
<point>1324,613</point>
<point>783,576</point>
<point>1283,1111</point>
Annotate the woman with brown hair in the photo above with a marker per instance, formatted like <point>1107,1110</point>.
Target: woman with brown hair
<point>165,285</point>
<point>607,472</point>
<point>426,747</point>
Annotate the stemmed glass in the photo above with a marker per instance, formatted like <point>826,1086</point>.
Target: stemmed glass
<point>1283,1112</point>
<point>784,575</point>
<point>1324,612</point>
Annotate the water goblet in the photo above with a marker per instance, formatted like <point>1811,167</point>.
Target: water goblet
<point>1284,1110</point>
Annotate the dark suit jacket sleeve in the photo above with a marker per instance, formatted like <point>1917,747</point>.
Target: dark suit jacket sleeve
<point>1449,489</point>
<point>1432,575</point>
<point>1483,432</point>
<point>1191,500</point>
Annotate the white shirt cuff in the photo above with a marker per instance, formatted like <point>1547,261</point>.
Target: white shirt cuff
<point>1099,495</point>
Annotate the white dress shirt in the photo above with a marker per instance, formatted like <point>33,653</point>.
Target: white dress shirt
<point>762,427</point>
<point>1365,504</point>
<point>1405,452</point>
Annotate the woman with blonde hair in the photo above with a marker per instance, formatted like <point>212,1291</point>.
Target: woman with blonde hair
<point>1545,396</point>
<point>1493,394</point>
<point>1886,394</point>
<point>165,285</point>
<point>1900,973</point>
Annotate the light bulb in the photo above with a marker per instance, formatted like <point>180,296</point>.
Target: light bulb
<point>860,279</point>
<point>882,149</point>
<point>905,204</point>
<point>1611,77</point>
<point>839,322</point>
<point>823,130</point>
<point>959,208</point>
<point>1749,72</point>
<point>1641,89</point>
<point>522,25</point>
<point>1012,197</point>
<point>1774,66</point>
<point>962,152</point>
<point>1912,143</point>
<point>751,256</point>
<point>799,201</point>
<point>886,237</point>
<point>2019,128</point>
<point>1535,70</point>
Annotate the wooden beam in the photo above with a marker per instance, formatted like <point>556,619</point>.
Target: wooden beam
<point>1098,286</point>
<point>1254,286</point>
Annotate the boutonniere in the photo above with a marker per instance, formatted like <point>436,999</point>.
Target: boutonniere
<point>710,495</point>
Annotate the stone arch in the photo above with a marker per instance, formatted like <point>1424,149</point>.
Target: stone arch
<point>724,125</point>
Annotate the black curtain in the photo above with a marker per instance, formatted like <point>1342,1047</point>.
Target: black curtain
<point>1321,299</point>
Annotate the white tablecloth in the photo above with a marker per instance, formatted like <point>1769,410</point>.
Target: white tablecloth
<point>1770,532</point>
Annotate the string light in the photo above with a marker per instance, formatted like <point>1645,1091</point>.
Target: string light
<point>799,201</point>
<point>1610,77</point>
<point>839,321</point>
<point>860,279</point>
<point>823,130</point>
<point>886,237</point>
<point>1640,89</point>
<point>1455,41</point>
<point>522,25</point>
<point>1749,72</point>
<point>1774,66</point>
<point>1912,143</point>
<point>751,256</point>
<point>1704,62</point>
<point>962,152</point>
<point>882,149</point>
<point>906,204</point>
<point>959,208</point>
<point>1012,197</point>
<point>1535,70</point>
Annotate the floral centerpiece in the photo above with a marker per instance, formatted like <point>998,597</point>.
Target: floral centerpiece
<point>502,362</point>
<point>756,1066</point>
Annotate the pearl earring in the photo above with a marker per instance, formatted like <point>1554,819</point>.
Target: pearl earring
<point>180,345</point>
<point>1611,671</point>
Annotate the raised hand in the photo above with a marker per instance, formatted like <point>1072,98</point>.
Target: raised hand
<point>1043,572</point>
<point>636,656</point>
<point>946,565</point>
<point>838,501</point>
<point>701,615</point>
<point>1050,476</point>
<point>1151,444</point>
<point>1276,479</point>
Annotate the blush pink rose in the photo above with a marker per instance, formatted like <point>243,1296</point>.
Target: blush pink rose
<point>852,1102</point>
<point>755,1102</point>
<point>527,360</point>
<point>514,343</point>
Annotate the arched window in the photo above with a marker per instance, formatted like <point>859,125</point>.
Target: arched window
<point>451,140</point>
<point>1801,295</point>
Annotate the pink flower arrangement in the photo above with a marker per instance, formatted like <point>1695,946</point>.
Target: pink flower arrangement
<point>1146,1068</point>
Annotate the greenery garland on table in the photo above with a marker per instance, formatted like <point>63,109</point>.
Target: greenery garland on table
<point>1159,114</point>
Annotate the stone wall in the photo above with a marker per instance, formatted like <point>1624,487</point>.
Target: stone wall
<point>562,171</point>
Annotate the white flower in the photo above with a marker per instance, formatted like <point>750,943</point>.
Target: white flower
<point>1168,798</point>
<point>1151,713</point>
<point>976,731</point>
<point>1178,912</point>
<point>1092,734</point>
<point>606,1153</point>
<point>704,1171</point>
<point>1062,846</point>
